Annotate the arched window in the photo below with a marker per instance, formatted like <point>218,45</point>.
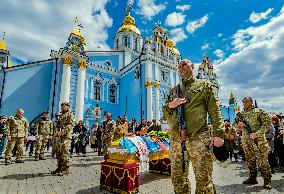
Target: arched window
<point>136,44</point>
<point>164,75</point>
<point>125,41</point>
<point>116,43</point>
<point>112,92</point>
<point>97,90</point>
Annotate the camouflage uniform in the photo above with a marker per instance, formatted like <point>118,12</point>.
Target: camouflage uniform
<point>231,143</point>
<point>107,135</point>
<point>43,130</point>
<point>198,145</point>
<point>64,123</point>
<point>256,152</point>
<point>16,128</point>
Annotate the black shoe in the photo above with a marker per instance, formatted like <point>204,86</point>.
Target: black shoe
<point>19,161</point>
<point>250,181</point>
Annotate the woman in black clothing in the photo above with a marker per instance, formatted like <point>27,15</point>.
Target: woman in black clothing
<point>278,141</point>
<point>99,140</point>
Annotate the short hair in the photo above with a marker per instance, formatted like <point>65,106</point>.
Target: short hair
<point>227,120</point>
<point>65,103</point>
<point>20,110</point>
<point>275,118</point>
<point>45,112</point>
<point>186,61</point>
<point>247,98</point>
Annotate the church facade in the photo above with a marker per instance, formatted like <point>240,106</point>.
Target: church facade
<point>132,79</point>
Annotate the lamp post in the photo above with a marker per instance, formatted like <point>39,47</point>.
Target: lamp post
<point>54,55</point>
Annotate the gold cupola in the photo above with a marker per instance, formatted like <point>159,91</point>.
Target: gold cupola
<point>129,25</point>
<point>172,46</point>
<point>76,31</point>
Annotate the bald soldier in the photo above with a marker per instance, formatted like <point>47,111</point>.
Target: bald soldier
<point>254,142</point>
<point>199,99</point>
<point>16,131</point>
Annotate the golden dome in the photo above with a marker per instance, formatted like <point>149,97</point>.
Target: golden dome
<point>129,25</point>
<point>172,46</point>
<point>3,45</point>
<point>77,32</point>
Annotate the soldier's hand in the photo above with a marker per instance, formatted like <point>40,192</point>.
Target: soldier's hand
<point>176,102</point>
<point>1,135</point>
<point>217,141</point>
<point>253,136</point>
<point>183,135</point>
<point>9,137</point>
<point>282,132</point>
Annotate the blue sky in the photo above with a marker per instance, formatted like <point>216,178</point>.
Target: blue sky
<point>245,39</point>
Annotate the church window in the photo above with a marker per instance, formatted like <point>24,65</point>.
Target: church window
<point>126,43</point>
<point>112,91</point>
<point>162,49</point>
<point>97,90</point>
<point>136,44</point>
<point>116,43</point>
<point>164,75</point>
<point>137,73</point>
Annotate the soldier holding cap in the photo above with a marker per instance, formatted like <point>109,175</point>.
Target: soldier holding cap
<point>198,99</point>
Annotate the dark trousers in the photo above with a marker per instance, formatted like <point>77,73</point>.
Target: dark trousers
<point>32,145</point>
<point>99,147</point>
<point>72,147</point>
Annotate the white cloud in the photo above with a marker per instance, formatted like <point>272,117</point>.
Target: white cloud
<point>33,28</point>
<point>257,67</point>
<point>219,35</point>
<point>183,7</point>
<point>205,46</point>
<point>256,17</point>
<point>194,25</point>
<point>175,19</point>
<point>219,53</point>
<point>149,9</point>
<point>178,35</point>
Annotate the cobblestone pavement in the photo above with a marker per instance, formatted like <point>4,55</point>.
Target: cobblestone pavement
<point>34,177</point>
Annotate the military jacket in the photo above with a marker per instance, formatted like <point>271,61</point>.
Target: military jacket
<point>43,127</point>
<point>230,131</point>
<point>17,127</point>
<point>258,120</point>
<point>109,129</point>
<point>200,101</point>
<point>65,123</point>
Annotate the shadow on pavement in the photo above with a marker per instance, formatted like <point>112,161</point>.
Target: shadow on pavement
<point>92,190</point>
<point>147,177</point>
<point>25,176</point>
<point>85,165</point>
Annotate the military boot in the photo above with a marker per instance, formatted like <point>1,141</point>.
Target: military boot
<point>7,161</point>
<point>42,158</point>
<point>267,183</point>
<point>57,170</point>
<point>250,181</point>
<point>63,172</point>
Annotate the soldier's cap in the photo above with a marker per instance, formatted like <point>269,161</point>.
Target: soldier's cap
<point>221,153</point>
<point>227,120</point>
<point>65,103</point>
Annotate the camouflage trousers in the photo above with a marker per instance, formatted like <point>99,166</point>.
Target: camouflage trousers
<point>19,141</point>
<point>106,144</point>
<point>256,154</point>
<point>199,152</point>
<point>62,152</point>
<point>40,146</point>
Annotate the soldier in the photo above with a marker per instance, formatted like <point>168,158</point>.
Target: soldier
<point>17,129</point>
<point>43,129</point>
<point>63,132</point>
<point>199,100</point>
<point>107,133</point>
<point>254,143</point>
<point>230,139</point>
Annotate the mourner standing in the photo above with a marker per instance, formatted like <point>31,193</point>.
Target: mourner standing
<point>107,133</point>
<point>43,129</point>
<point>199,99</point>
<point>64,125</point>
<point>3,136</point>
<point>256,122</point>
<point>16,131</point>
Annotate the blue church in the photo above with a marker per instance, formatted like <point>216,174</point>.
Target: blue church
<point>132,79</point>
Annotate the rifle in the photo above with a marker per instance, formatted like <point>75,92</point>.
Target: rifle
<point>181,125</point>
<point>241,118</point>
